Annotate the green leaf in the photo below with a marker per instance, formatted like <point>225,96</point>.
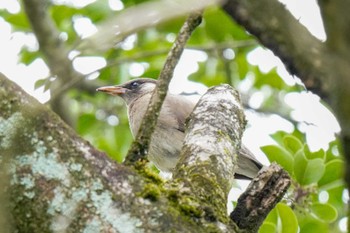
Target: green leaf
<point>279,136</point>
<point>312,155</point>
<point>39,83</point>
<point>242,65</point>
<point>267,227</point>
<point>85,123</point>
<point>98,10</point>
<point>213,18</point>
<point>271,78</point>
<point>272,217</point>
<point>334,171</point>
<point>292,143</point>
<point>307,171</point>
<point>289,221</point>
<point>279,155</point>
<point>28,57</point>
<point>228,29</point>
<point>18,21</point>
<point>300,163</point>
<point>324,212</point>
<point>314,227</point>
<point>270,223</point>
<point>333,151</point>
<point>314,171</point>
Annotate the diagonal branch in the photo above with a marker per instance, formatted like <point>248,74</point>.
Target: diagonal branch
<point>336,20</point>
<point>300,51</point>
<point>140,145</point>
<point>55,54</point>
<point>51,45</point>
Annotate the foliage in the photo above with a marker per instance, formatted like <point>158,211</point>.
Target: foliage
<point>313,204</point>
<point>314,198</point>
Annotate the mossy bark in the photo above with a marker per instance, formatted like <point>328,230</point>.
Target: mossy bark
<point>54,181</point>
<point>57,181</point>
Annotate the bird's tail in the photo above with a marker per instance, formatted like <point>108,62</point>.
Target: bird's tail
<point>248,165</point>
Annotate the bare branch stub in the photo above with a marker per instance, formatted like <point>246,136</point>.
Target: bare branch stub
<point>261,196</point>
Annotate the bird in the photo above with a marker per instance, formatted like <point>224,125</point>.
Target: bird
<point>168,136</point>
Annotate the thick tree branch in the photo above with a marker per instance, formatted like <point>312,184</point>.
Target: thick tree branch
<point>261,196</point>
<point>300,51</point>
<point>140,145</point>
<point>208,158</point>
<point>56,181</point>
<point>64,184</point>
<point>336,20</point>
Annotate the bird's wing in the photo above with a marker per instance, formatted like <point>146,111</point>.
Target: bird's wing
<point>181,112</point>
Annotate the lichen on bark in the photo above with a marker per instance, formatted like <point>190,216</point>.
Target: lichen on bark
<point>59,182</point>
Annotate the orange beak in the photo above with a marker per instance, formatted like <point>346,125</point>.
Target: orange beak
<point>112,90</point>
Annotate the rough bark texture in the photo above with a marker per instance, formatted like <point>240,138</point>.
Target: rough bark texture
<point>208,159</point>
<point>285,36</point>
<point>58,182</point>
<point>54,181</point>
<point>262,195</point>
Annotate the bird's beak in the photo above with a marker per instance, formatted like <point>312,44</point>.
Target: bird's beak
<point>112,90</point>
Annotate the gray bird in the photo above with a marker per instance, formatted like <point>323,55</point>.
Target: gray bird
<point>167,139</point>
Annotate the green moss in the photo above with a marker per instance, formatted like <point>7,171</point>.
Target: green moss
<point>183,202</point>
<point>190,207</point>
<point>151,192</point>
<point>211,207</point>
<point>150,175</point>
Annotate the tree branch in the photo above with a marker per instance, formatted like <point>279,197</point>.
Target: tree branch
<point>300,51</point>
<point>64,184</point>
<point>336,21</point>
<point>55,54</point>
<point>56,181</point>
<point>261,196</point>
<point>208,159</point>
<point>139,147</point>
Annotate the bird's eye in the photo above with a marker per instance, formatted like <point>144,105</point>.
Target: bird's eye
<point>134,85</point>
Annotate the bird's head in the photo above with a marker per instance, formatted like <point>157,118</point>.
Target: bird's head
<point>131,90</point>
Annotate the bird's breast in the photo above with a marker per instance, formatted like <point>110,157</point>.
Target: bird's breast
<point>166,140</point>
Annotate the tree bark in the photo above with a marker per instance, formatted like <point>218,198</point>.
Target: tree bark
<point>262,195</point>
<point>57,182</point>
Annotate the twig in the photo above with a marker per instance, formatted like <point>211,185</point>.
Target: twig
<point>139,147</point>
